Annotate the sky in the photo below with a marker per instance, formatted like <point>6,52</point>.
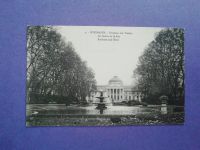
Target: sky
<point>109,51</point>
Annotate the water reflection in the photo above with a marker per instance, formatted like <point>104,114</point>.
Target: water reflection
<point>111,110</point>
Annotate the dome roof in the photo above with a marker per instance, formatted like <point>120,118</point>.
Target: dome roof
<point>115,80</point>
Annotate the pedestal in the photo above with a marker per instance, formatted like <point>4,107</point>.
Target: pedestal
<point>101,106</point>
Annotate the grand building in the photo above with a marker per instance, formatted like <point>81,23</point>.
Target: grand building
<point>116,92</point>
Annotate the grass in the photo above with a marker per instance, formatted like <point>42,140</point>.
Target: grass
<point>104,120</point>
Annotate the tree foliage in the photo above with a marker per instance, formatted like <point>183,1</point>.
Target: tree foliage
<point>160,69</point>
<point>54,68</point>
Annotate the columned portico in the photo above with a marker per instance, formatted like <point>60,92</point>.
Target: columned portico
<point>117,92</point>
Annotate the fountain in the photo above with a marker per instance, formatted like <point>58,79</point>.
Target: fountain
<point>101,106</point>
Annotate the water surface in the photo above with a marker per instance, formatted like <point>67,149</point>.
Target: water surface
<point>91,110</point>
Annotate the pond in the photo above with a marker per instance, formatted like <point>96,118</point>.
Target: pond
<point>91,110</point>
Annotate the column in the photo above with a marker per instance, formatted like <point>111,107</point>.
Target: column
<point>120,94</point>
<point>128,95</point>
<point>115,94</point>
<point>111,93</point>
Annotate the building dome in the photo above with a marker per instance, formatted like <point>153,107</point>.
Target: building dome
<point>115,81</point>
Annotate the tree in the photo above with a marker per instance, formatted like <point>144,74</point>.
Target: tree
<point>54,68</point>
<point>160,69</point>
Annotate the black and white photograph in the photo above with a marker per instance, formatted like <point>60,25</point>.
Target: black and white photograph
<point>104,76</point>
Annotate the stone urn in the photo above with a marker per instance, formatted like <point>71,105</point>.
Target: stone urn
<point>163,100</point>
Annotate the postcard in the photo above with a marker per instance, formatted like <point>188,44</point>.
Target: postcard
<point>104,76</point>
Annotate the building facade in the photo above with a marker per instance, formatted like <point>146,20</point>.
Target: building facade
<point>116,92</point>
